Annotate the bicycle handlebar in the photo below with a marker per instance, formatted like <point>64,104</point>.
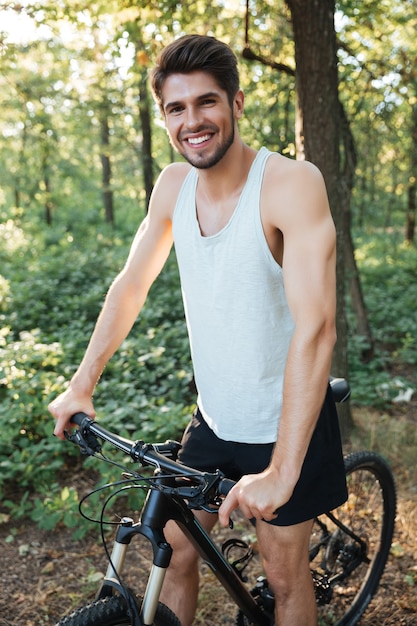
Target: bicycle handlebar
<point>159,455</point>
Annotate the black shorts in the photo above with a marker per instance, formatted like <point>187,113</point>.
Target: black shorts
<point>322,483</point>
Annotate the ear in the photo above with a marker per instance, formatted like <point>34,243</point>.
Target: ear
<point>238,104</point>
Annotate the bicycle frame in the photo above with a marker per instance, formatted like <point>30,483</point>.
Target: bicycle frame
<point>157,511</point>
<point>336,550</point>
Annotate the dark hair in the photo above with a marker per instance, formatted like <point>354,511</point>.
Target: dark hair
<point>192,53</point>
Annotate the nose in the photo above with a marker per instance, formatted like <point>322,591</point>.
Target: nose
<point>193,117</point>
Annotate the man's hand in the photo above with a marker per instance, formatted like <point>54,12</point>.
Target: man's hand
<point>65,406</point>
<point>257,495</point>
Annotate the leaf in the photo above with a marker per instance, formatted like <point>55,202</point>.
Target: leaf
<point>397,550</point>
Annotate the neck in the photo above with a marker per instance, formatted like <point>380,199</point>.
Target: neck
<point>229,174</point>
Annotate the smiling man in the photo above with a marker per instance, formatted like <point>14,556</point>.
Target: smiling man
<point>255,244</point>
<point>193,141</point>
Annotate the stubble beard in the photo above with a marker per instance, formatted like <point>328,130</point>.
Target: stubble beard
<point>201,163</point>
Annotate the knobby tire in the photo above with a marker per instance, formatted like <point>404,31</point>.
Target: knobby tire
<point>112,611</point>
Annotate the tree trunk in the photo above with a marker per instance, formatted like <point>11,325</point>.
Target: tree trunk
<point>48,203</point>
<point>347,177</point>
<point>363,328</point>
<point>16,193</point>
<point>106,168</point>
<point>145,122</point>
<point>319,134</point>
<point>412,188</point>
<point>46,184</point>
<point>411,213</point>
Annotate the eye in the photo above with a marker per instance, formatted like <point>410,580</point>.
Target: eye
<point>175,109</point>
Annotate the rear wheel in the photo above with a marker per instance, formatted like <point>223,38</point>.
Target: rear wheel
<point>112,611</point>
<point>350,546</point>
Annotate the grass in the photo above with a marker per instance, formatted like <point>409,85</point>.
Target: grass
<point>394,435</point>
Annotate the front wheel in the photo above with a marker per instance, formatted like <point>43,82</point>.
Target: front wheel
<point>112,611</point>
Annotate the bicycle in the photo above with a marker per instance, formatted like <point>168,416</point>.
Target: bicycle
<point>348,550</point>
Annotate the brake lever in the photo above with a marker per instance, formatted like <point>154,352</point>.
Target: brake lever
<point>199,496</point>
<point>88,443</point>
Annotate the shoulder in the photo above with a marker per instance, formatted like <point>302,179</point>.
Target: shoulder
<point>167,188</point>
<point>285,172</point>
<point>173,176</point>
<point>293,190</point>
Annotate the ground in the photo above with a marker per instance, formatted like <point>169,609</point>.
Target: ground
<point>47,574</point>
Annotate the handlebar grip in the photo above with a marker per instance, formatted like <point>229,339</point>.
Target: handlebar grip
<point>225,486</point>
<point>79,418</point>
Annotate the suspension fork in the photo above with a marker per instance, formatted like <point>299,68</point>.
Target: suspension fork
<point>157,510</point>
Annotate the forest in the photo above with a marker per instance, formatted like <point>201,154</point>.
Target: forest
<point>81,146</point>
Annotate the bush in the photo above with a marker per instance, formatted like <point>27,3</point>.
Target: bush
<point>52,292</point>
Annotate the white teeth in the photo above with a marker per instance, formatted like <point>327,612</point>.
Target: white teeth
<point>196,140</point>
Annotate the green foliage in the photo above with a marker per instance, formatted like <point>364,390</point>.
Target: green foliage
<point>389,280</point>
<point>53,287</point>
<point>28,454</point>
<point>51,507</point>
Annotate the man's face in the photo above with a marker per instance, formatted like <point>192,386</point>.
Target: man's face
<point>198,118</point>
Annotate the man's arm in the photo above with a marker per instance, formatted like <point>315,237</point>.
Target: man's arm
<point>124,300</point>
<point>301,212</point>
<point>309,266</point>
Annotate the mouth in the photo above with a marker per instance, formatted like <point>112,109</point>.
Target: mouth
<point>198,141</point>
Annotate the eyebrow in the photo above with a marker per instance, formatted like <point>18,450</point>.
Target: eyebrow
<point>204,96</point>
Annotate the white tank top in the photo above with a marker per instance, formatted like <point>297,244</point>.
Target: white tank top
<point>238,319</point>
